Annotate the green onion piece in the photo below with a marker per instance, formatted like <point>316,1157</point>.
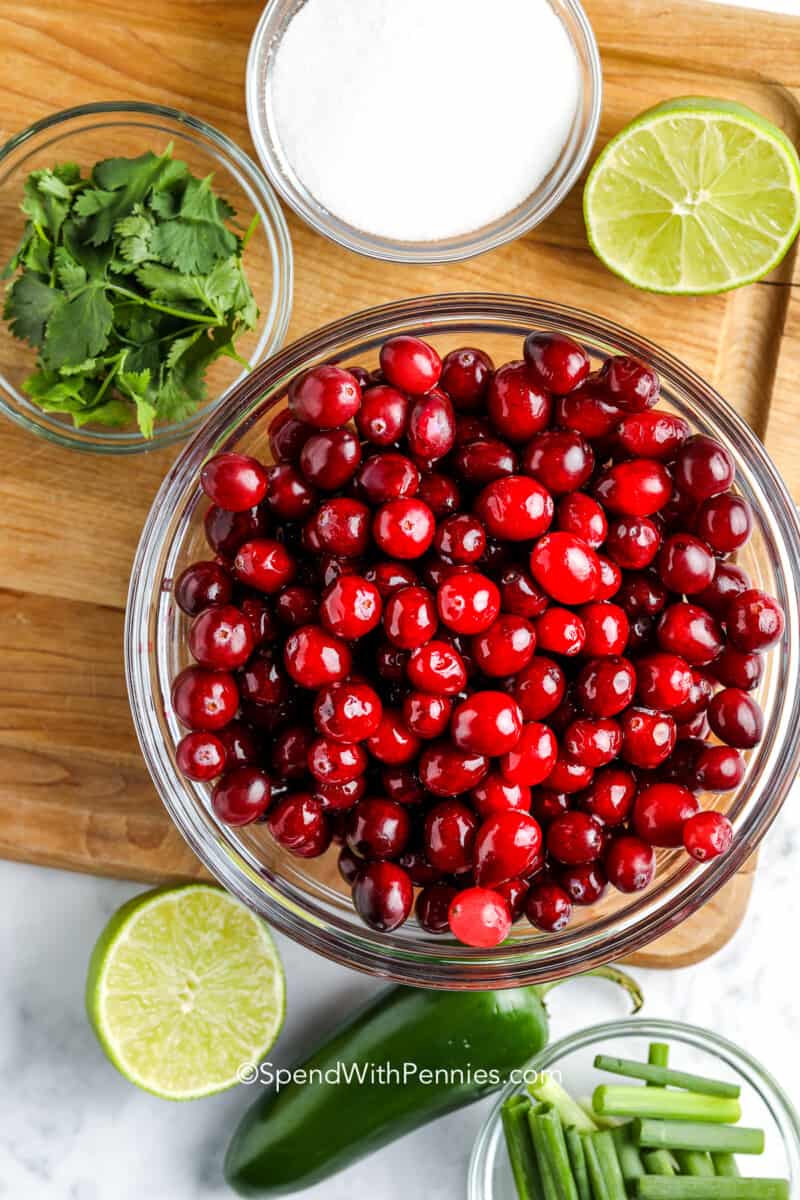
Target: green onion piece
<point>514,1115</point>
<point>695,1162</point>
<point>609,1164</point>
<point>596,1178</point>
<point>655,1187</point>
<point>664,1077</point>
<point>547,1090</point>
<point>556,1151</point>
<point>725,1164</point>
<point>627,1152</point>
<point>577,1158</point>
<point>657,1056</point>
<point>658,1103</point>
<point>549,1188</point>
<point>687,1135</point>
<point>659,1162</point>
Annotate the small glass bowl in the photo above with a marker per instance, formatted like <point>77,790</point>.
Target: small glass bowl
<point>538,205</point>
<point>95,131</point>
<point>305,898</point>
<point>764,1104</point>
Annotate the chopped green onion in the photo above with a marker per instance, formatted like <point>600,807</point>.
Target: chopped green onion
<point>658,1056</point>
<point>688,1135</point>
<point>549,1188</point>
<point>659,1162</point>
<point>664,1077</point>
<point>725,1164</point>
<point>627,1152</point>
<point>577,1158</point>
<point>596,1178</point>
<point>609,1164</point>
<point>655,1187</point>
<point>695,1162</point>
<point>514,1115</point>
<point>547,1090</point>
<point>555,1148</point>
<point>630,1101</point>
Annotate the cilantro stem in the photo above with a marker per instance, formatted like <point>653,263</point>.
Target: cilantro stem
<point>196,318</point>
<point>108,378</point>
<point>251,228</point>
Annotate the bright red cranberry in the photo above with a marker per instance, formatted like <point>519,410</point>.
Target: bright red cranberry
<point>738,668</point>
<point>200,756</point>
<point>378,828</point>
<point>335,762</point>
<point>234,481</point>
<point>465,377</point>
<point>350,607</point>
<point>440,493</point>
<point>725,522</point>
<point>588,411</point>
<point>610,579</point>
<point>582,516</point>
<point>637,488</point>
<point>468,602</point>
<point>703,468</point>
<point>606,686</point>
<point>287,436</point>
<point>660,812</point>
<point>561,460</point>
<point>349,865</point>
<point>505,647</point>
<point>314,657</point>
<point>496,794</point>
<point>384,477</point>
<point>203,699</point>
<point>610,795</point>
<point>652,435</point>
<point>568,776</point>
<point>484,460</point>
<point>461,538</point>
<point>330,458</point>
<point>437,667</point>
<point>560,631</point>
<point>389,576</point>
<point>226,531</point>
<point>755,621</point>
<point>539,688</point>
<point>221,638</point>
<point>265,565</point>
<point>664,681</point>
<point>325,397</point>
<point>241,745</point>
<point>383,415</point>
<point>533,758</point>
<point>548,907</point>
<point>631,385</point>
<point>383,896</point>
<point>347,712</point>
<point>699,697</point>
<point>449,836</point>
<point>632,542</point>
<point>566,568</point>
<point>555,361</point>
<point>630,863</point>
<point>480,917</point>
<point>342,527</point>
<point>506,845</point>
<point>487,723</point>
<point>410,364</point>
<point>433,905</point>
<point>518,409</point>
<point>299,825</point>
<point>426,715</point>
<point>648,738</point>
<point>445,770</point>
<point>606,627</point>
<point>515,508</point>
<point>736,718</point>
<point>401,784</point>
<point>729,581</point>
<point>203,585</point>
<point>707,835</point>
<point>241,796</point>
<point>719,768</point>
<point>404,528</point>
<point>409,618</point>
<point>431,428</point>
<point>688,630</point>
<point>593,741</point>
<point>685,564</point>
<point>393,742</point>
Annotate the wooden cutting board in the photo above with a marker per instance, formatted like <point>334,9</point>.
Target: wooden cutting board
<point>73,789</point>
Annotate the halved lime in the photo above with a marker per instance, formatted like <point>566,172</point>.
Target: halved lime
<point>185,988</point>
<point>694,196</point>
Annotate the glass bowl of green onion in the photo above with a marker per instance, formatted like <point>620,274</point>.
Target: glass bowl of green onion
<point>654,1110</point>
<point>147,268</point>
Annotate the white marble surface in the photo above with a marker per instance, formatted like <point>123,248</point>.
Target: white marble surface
<point>72,1129</point>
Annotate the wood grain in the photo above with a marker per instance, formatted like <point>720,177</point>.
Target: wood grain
<point>73,788</point>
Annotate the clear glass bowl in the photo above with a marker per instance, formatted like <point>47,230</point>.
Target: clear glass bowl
<point>541,202</point>
<point>764,1104</point>
<point>305,898</point>
<point>95,131</point>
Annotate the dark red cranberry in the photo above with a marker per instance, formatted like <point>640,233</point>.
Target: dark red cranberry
<point>484,460</point>
<point>410,364</point>
<point>582,516</point>
<point>736,718</point>
<point>241,745</point>
<point>637,488</point>
<point>391,663</point>
<point>437,667</point>
<point>555,361</point>
<point>479,917</point>
<point>664,681</point>
<point>520,595</point>
<point>546,805</point>
<point>725,522</point>
<point>487,723</point>
<point>506,845</point>
<point>505,647</point>
<point>383,895</point>
<point>401,784</point>
<point>410,618</point>
<point>642,594</point>
<point>707,835</point>
<point>561,460</point>
<point>648,738</point>
<point>588,411</point>
<point>653,435</point>
<point>515,894</point>
<point>296,606</point>
<point>660,812</point>
<point>703,468</point>
<point>314,657</point>
<point>349,865</point>
<point>440,494</point>
<point>241,796</point>
<point>606,686</point>
<point>342,527</point>
<point>685,564</point>
<point>262,681</point>
<point>445,770</point>
<point>431,428</point>
<point>203,585</point>
<point>539,688</point>
<point>383,415</point>
<point>465,377</point>
<point>719,768</point>
<point>565,567</point>
<point>738,668</point>
<point>461,539</point>
<point>203,699</point>
<point>227,531</point>
<point>584,883</point>
<point>606,628</point>
<point>630,863</point>
<point>610,795</point>
<point>755,621</point>
<point>548,907</point>
<point>688,630</point>
<point>449,836</point>
<point>347,712</point>
<point>729,581</point>
<point>234,481</point>
<point>393,742</point>
<point>378,828</point>
<point>200,756</point>
<point>298,824</point>
<point>631,384</point>
<point>385,477</point>
<point>468,602</point>
<point>221,638</point>
<point>496,794</point>
<point>425,714</point>
<point>330,458</point>
<point>533,758</point>
<point>287,436</point>
<point>265,565</point>
<point>432,907</point>
<point>518,409</point>
<point>290,497</point>
<point>593,741</point>
<point>632,542</point>
<point>326,397</point>
<point>403,528</point>
<point>290,752</point>
<point>699,697</point>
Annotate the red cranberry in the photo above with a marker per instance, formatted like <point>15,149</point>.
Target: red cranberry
<point>703,468</point>
<point>437,667</point>
<point>636,488</point>
<point>539,688</point>
<point>461,539</point>
<point>561,460</point>
<point>378,828</point>
<point>520,595</point>
<point>725,522</point>
<point>517,408</point>
<point>484,460</point>
<point>342,527</point>
<point>699,697</point>
<point>606,627</point>
<point>329,459</point>
<point>200,756</point>
<point>347,712</point>
<point>565,567</point>
<point>660,812</point>
<point>349,866</point>
<point>351,607</point>
<point>610,579</point>
<point>495,794</point>
<point>290,752</point>
<point>685,564</point>
<point>287,436</point>
<point>642,594</point>
<point>468,602</point>
<point>221,638</point>
<point>736,718</point>
<point>568,776</point>
<point>314,657</point>
<point>404,528</point>
<point>262,681</point>
<point>755,621</point>
<point>548,907</point>
<point>241,796</point>
<point>234,481</point>
<point>688,630</point>
<point>515,508</point>
<point>226,531</point>
<point>719,768</point>
<point>487,723</point>
<point>440,494</point>
<point>449,836</point>
<point>588,411</point>
<point>265,565</point>
<point>325,397</point>
<point>738,668</point>
<point>203,585</point>
<point>241,746</point>
<point>420,872</point>
<point>664,681</point>
<point>335,762</point>
<point>383,896</point>
<point>532,759</point>
<point>606,686</point>
<point>506,845</point>
<point>610,795</point>
<point>631,385</point>
<point>298,824</point>
<point>389,576</point>
<point>593,741</point>
<point>410,364</point>
<point>203,699</point>
<point>290,497</point>
<point>480,917</point>
<point>582,516</point>
<point>431,426</point>
<point>505,647</point>
<point>393,742</point>
<point>707,835</point>
<point>729,581</point>
<point>402,785</point>
<point>386,477</point>
<point>383,415</point>
<point>560,631</point>
<point>432,907</point>
<point>445,770</point>
<point>630,864</point>
<point>653,435</point>
<point>465,377</point>
<point>426,715</point>
<point>632,542</point>
<point>555,361</point>
<point>515,894</point>
<point>648,738</point>
<point>546,805</point>
<point>296,606</point>
<point>409,618</point>
<point>584,883</point>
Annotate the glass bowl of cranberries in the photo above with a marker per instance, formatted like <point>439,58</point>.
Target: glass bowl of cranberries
<point>462,645</point>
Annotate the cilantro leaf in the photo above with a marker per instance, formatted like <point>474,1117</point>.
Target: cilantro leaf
<point>190,246</point>
<point>28,307</point>
<point>78,329</point>
<point>71,275</point>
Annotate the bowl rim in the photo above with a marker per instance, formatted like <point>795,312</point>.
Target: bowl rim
<point>506,228</point>
<point>657,910</point>
<point>275,320</point>
<point>762,1081</point>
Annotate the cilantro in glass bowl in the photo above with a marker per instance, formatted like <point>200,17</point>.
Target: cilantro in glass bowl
<point>148,267</point>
